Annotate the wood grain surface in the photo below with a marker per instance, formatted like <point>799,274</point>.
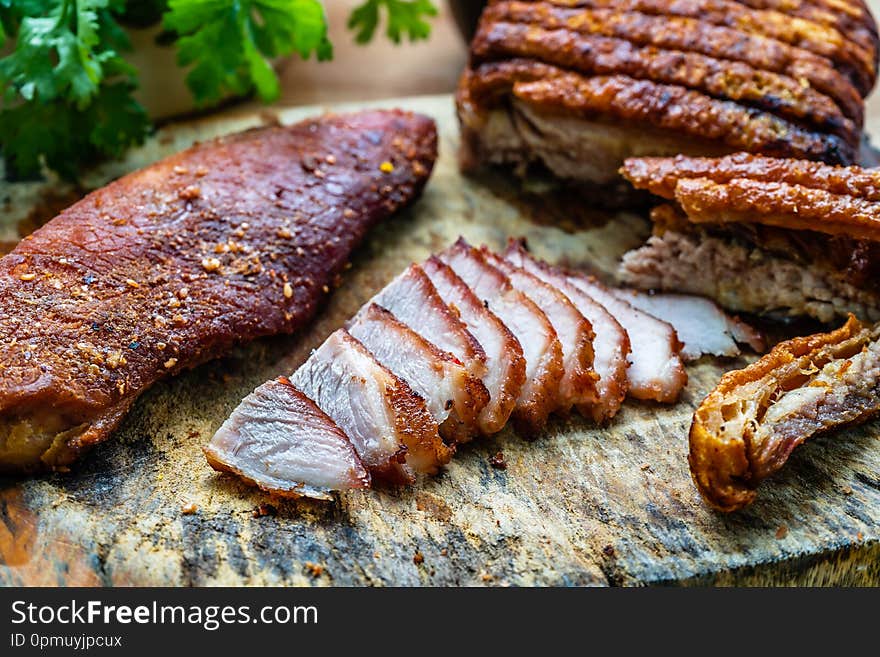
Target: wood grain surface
<point>580,506</point>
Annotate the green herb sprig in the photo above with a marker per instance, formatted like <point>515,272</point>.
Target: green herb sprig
<point>66,90</point>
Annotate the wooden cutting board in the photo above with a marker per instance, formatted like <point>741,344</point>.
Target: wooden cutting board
<point>580,505</point>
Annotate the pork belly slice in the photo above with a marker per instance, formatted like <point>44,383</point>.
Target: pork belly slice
<point>453,397</point>
<point>747,427</point>
<point>505,364</point>
<point>656,371</point>
<point>541,348</point>
<point>611,343</point>
<point>414,300</point>
<point>575,333</point>
<point>388,424</point>
<point>278,440</point>
<point>702,327</point>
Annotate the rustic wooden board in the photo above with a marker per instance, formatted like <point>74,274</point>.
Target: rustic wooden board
<point>581,505</point>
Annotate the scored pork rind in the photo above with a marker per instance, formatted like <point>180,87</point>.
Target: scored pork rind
<point>576,87</point>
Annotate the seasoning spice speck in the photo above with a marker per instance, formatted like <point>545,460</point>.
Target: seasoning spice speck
<point>288,291</point>
<point>171,362</point>
<point>211,264</point>
<point>27,277</point>
<point>386,167</point>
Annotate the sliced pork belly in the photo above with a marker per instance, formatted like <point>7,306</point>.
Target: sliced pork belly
<point>505,364</point>
<point>279,440</point>
<point>656,370</point>
<point>388,424</point>
<point>453,397</point>
<point>610,344</point>
<point>413,299</point>
<point>701,326</point>
<point>575,333</point>
<point>541,348</point>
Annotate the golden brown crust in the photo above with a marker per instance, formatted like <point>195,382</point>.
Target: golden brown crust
<point>659,175</point>
<point>856,55</point>
<point>793,207</point>
<point>737,438</point>
<point>669,107</point>
<point>686,51</point>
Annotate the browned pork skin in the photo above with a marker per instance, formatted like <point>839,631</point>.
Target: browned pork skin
<point>541,348</point>
<point>747,427</point>
<point>388,424</point>
<point>279,440</point>
<point>172,265</point>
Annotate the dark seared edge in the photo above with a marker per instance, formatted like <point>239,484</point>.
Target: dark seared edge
<point>172,265</point>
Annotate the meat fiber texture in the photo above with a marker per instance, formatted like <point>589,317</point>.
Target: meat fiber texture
<point>762,235</point>
<point>577,87</point>
<point>172,265</point>
<point>396,382</point>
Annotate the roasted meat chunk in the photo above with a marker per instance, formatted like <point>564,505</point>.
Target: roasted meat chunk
<point>577,87</point>
<point>172,265</point>
<point>701,326</point>
<point>279,440</point>
<point>656,370</point>
<point>761,235</point>
<point>747,427</point>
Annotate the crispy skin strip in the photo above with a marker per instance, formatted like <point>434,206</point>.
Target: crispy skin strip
<point>505,365</point>
<point>449,391</point>
<point>850,17</point>
<point>611,343</point>
<point>388,424</point>
<point>149,275</point>
<point>663,106</point>
<point>859,61</point>
<point>578,385</point>
<point>719,61</point>
<point>778,204</point>
<point>659,175</point>
<point>278,440</point>
<point>747,427</point>
<point>541,349</point>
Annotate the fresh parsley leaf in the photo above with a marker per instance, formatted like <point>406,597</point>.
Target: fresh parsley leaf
<point>65,137</point>
<point>66,90</point>
<point>228,43</point>
<point>405,17</point>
